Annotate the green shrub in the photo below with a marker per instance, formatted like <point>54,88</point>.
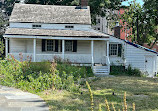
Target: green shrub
<point>40,76</point>
<point>133,72</point>
<point>40,66</point>
<point>117,70</point>
<point>120,70</point>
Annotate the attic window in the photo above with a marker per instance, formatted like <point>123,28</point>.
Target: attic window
<point>69,27</point>
<point>36,26</point>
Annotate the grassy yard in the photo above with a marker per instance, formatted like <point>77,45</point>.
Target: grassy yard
<point>142,91</point>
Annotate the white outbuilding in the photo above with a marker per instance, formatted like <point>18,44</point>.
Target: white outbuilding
<point>134,55</point>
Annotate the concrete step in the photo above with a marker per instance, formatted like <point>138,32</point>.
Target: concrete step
<point>101,71</point>
<point>100,67</point>
<point>101,74</point>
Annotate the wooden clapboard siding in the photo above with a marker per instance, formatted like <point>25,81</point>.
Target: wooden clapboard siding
<point>99,51</point>
<point>133,56</point>
<point>136,57</point>
<point>84,47</point>
<point>50,26</point>
<point>82,55</point>
<point>18,45</point>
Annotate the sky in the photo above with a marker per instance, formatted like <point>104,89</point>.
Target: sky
<point>138,1</point>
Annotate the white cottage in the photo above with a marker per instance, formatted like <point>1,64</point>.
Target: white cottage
<point>46,31</point>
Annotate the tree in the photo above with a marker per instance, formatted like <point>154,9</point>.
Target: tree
<point>151,9</point>
<point>142,25</point>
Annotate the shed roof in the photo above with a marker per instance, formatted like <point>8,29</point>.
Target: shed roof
<point>50,14</point>
<point>139,46</point>
<point>54,32</point>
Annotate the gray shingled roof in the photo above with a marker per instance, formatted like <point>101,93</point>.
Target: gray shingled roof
<point>50,14</point>
<point>53,32</point>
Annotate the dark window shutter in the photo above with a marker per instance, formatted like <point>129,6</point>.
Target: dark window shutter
<point>56,45</point>
<point>61,46</point>
<point>8,47</point>
<point>119,50</point>
<point>43,45</point>
<point>75,46</point>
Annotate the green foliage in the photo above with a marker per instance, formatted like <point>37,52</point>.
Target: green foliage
<point>40,66</point>
<point>142,21</point>
<point>120,70</point>
<point>36,77</point>
<point>1,47</point>
<point>133,72</point>
<point>91,96</point>
<point>76,71</point>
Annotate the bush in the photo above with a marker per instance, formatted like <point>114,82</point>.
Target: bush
<point>117,70</point>
<point>120,70</point>
<point>36,77</point>
<point>133,72</point>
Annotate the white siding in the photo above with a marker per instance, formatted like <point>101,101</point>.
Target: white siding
<point>115,60</point>
<point>17,46</point>
<point>134,56</point>
<point>83,54</point>
<point>51,26</point>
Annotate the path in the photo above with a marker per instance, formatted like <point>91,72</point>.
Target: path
<point>16,100</point>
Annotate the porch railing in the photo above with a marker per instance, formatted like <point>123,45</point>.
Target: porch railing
<point>75,58</point>
<point>108,63</point>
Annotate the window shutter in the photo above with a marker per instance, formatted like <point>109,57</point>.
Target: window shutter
<point>119,50</point>
<point>56,45</point>
<point>75,46</point>
<point>61,46</point>
<point>43,45</point>
<point>8,47</point>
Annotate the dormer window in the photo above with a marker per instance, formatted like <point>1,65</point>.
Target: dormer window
<point>36,26</point>
<point>69,27</point>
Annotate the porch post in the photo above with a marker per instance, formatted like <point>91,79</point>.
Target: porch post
<point>34,50</point>
<point>107,48</point>
<point>6,47</point>
<point>92,52</point>
<point>63,49</point>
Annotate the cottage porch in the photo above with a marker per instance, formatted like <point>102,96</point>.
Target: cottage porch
<point>87,51</point>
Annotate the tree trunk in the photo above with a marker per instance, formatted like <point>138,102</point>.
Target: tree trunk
<point>153,43</point>
<point>138,38</point>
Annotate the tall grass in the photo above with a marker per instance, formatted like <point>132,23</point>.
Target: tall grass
<point>108,108</point>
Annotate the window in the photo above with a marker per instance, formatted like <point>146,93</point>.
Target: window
<point>50,46</point>
<point>36,26</point>
<point>68,45</point>
<point>69,27</point>
<point>115,50</point>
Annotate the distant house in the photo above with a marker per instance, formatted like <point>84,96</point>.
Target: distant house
<point>48,31</point>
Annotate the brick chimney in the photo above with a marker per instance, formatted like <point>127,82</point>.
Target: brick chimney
<point>117,30</point>
<point>84,3</point>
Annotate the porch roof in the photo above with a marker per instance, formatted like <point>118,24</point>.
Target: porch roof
<point>55,33</point>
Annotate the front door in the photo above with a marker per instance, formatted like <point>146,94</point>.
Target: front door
<point>149,64</point>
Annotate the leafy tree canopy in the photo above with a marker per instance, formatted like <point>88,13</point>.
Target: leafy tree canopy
<point>143,21</point>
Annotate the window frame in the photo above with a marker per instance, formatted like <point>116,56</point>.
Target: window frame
<point>53,46</point>
<point>71,46</point>
<point>69,27</point>
<point>116,50</point>
<point>36,26</point>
